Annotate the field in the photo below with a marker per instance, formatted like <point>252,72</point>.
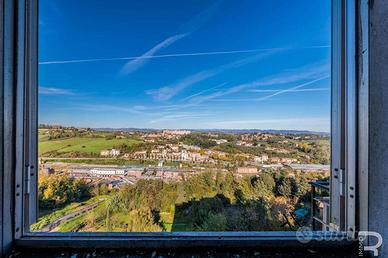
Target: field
<point>81,144</point>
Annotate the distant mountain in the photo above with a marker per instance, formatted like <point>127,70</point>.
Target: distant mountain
<point>127,129</point>
<point>231,131</point>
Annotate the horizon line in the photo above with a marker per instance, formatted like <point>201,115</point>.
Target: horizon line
<point>188,129</point>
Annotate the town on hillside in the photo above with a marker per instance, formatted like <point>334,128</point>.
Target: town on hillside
<point>121,157</point>
<point>83,170</point>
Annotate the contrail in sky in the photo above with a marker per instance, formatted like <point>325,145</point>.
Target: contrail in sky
<point>188,29</point>
<point>294,88</point>
<point>174,55</point>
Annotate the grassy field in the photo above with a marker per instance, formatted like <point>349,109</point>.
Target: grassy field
<point>81,144</point>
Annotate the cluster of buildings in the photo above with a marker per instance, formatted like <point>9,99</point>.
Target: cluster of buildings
<point>310,167</point>
<point>150,172</point>
<point>130,174</point>
<point>166,134</point>
<point>190,153</point>
<point>256,137</point>
<point>171,152</point>
<point>278,160</point>
<point>175,133</point>
<point>104,172</point>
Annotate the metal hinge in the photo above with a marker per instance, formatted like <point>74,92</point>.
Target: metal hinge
<point>28,179</point>
<point>342,180</point>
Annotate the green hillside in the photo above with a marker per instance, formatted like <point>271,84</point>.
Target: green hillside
<point>82,144</point>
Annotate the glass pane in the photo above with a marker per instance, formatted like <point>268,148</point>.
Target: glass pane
<point>182,115</point>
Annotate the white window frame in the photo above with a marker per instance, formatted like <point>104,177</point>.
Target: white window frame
<point>347,123</point>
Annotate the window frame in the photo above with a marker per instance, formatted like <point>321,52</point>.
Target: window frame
<point>345,121</point>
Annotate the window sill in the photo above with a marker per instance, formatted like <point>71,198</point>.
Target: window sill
<point>276,239</point>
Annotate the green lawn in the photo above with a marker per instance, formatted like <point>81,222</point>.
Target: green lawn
<point>82,144</point>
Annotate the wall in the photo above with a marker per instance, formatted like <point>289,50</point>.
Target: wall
<point>378,120</point>
<point>6,124</point>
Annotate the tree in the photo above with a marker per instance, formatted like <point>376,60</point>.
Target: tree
<point>58,190</point>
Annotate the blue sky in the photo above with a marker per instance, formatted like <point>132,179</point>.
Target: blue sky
<point>197,64</point>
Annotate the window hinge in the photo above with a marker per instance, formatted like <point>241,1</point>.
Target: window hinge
<point>28,179</point>
<point>341,178</point>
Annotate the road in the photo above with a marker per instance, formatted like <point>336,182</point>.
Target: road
<point>51,227</point>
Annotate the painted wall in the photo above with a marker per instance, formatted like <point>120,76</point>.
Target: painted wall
<point>378,120</point>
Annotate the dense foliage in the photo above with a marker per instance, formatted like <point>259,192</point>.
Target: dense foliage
<point>204,202</point>
<point>200,140</point>
<point>58,190</point>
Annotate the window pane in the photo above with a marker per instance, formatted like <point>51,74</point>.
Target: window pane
<point>183,115</point>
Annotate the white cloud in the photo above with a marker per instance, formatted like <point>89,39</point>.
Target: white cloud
<point>54,91</point>
<point>108,108</point>
<point>296,90</point>
<point>167,92</point>
<point>310,72</point>
<point>188,29</point>
<point>178,116</point>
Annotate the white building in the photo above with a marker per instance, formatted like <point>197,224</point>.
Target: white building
<point>184,155</point>
<point>112,153</point>
<point>221,141</point>
<point>176,132</point>
<point>247,170</point>
<point>107,172</point>
<point>261,159</point>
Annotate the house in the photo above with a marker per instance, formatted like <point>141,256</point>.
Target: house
<point>105,153</point>
<point>111,153</point>
<point>79,172</point>
<point>221,141</point>
<point>134,172</point>
<point>247,170</point>
<point>289,160</point>
<point>261,159</point>
<point>114,152</point>
<point>276,160</point>
<point>139,155</point>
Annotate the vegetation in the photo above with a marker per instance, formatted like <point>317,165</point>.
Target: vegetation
<point>204,202</point>
<point>217,199</point>
<point>59,190</point>
<point>49,216</point>
<point>200,140</point>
